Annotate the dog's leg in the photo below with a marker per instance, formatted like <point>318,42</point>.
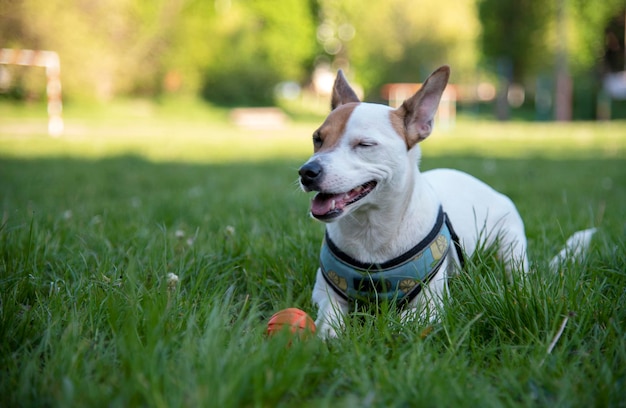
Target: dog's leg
<point>512,244</point>
<point>513,252</point>
<point>331,308</point>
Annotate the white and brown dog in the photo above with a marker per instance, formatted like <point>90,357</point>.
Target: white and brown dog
<point>389,232</point>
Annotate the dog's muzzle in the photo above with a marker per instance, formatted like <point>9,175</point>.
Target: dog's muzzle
<point>311,175</point>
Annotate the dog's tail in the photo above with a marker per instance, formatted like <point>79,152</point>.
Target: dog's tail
<point>575,247</point>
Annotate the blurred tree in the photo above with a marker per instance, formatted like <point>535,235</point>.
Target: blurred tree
<point>236,50</point>
<point>243,49</point>
<point>589,19</point>
<point>522,38</point>
<point>106,46</point>
<point>524,32</point>
<point>513,42</point>
<point>195,44</point>
<point>401,40</point>
<point>615,44</point>
<point>515,31</point>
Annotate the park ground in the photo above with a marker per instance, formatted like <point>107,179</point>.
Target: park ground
<point>142,252</point>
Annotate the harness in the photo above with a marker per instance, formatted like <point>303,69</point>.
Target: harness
<point>400,279</point>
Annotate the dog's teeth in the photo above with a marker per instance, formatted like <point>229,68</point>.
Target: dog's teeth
<point>359,189</point>
<point>332,205</point>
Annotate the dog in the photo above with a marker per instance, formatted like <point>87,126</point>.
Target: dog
<point>392,232</point>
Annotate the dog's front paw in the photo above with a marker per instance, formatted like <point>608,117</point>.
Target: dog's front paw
<point>331,308</point>
<point>329,320</point>
<point>325,330</point>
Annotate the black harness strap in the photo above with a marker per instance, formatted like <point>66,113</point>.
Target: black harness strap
<point>457,243</point>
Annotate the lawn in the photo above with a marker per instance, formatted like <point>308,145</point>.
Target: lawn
<point>93,223</point>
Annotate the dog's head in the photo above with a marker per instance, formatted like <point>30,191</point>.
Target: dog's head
<point>361,148</point>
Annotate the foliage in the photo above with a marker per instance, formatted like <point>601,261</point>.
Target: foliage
<point>525,33</point>
<point>111,47</point>
<point>259,46</point>
<point>107,47</point>
<point>587,20</point>
<point>514,32</point>
<point>236,51</point>
<point>401,41</point>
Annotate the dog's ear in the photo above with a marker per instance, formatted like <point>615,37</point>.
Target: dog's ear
<point>342,93</point>
<point>418,112</point>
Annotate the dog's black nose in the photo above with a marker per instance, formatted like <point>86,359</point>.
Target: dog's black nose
<point>310,174</point>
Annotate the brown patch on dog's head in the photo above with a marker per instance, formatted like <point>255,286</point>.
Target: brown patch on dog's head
<point>397,122</point>
<point>343,103</point>
<point>328,135</point>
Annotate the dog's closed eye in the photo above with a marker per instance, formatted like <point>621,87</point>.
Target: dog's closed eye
<point>365,143</point>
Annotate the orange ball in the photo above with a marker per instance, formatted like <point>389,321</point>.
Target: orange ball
<point>299,322</point>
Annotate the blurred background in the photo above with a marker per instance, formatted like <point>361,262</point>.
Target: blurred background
<point>511,59</point>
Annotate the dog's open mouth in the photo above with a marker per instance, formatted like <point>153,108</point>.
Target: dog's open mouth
<point>326,206</point>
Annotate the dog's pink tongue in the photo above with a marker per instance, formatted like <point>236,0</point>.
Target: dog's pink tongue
<point>324,203</point>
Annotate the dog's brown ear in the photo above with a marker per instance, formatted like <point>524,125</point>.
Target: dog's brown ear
<point>342,93</point>
<point>418,112</point>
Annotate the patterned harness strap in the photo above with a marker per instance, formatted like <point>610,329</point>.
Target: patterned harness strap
<point>398,280</point>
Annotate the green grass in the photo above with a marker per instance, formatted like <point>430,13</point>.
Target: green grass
<point>92,223</point>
